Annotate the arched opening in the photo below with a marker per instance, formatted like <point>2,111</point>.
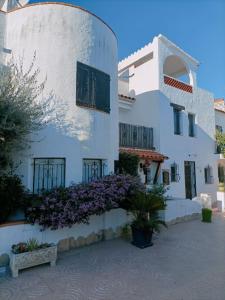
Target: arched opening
<point>174,67</point>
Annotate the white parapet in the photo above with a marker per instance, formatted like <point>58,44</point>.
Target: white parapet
<point>181,209</point>
<point>105,226</point>
<point>221,201</point>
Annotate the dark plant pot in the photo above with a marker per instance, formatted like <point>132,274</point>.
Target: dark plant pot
<point>142,238</point>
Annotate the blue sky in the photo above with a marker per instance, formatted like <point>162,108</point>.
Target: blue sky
<point>197,26</point>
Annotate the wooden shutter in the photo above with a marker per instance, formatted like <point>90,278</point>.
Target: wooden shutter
<point>135,136</point>
<point>83,85</point>
<point>101,90</point>
<point>92,88</point>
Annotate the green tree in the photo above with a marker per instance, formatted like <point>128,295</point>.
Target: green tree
<point>128,163</point>
<point>220,141</point>
<point>22,109</point>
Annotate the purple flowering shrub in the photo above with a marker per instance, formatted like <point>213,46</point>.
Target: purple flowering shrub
<point>63,207</point>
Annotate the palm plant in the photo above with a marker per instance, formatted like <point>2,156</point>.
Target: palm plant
<point>145,207</point>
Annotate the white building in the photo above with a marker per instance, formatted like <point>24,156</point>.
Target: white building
<point>77,53</point>
<point>166,121</point>
<point>159,95</point>
<point>219,106</point>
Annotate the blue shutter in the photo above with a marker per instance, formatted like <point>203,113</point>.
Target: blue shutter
<point>101,90</point>
<point>83,85</point>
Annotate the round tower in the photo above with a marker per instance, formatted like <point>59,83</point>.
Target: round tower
<point>77,52</point>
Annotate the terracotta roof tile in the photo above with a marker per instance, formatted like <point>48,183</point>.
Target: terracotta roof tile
<point>145,154</point>
<point>126,97</point>
<point>219,104</point>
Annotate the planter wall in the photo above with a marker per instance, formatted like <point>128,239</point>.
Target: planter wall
<point>179,210</point>
<point>106,226</point>
<point>30,259</point>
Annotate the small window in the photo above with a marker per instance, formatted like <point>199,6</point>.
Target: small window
<point>166,177</point>
<point>221,174</point>
<point>208,175</point>
<point>48,173</point>
<point>177,121</point>
<point>92,88</point>
<point>174,172</point>
<point>93,169</point>
<point>191,121</point>
<point>219,128</point>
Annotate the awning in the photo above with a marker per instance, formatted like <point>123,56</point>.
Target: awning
<point>145,154</point>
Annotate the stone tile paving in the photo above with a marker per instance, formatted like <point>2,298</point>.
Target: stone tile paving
<point>187,262</point>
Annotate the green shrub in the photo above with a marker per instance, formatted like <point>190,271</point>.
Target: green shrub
<point>128,164</point>
<point>206,215</point>
<point>12,194</point>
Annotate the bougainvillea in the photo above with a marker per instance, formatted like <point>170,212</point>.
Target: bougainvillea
<point>75,204</point>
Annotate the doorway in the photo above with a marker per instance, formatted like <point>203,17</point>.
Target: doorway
<point>190,179</point>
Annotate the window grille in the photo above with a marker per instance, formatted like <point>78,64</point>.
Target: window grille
<point>93,169</point>
<point>174,169</point>
<point>92,88</point>
<point>166,177</point>
<point>48,173</point>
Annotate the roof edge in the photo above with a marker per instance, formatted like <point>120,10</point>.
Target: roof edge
<point>171,44</point>
<point>64,4</point>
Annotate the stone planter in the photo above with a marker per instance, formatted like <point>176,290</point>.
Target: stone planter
<point>30,259</point>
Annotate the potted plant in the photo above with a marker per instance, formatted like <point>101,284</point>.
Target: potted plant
<point>206,215</point>
<point>145,207</point>
<point>31,253</point>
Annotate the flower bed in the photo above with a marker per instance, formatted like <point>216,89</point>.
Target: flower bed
<point>74,205</point>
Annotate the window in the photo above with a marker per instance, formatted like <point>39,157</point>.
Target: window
<point>174,172</point>
<point>208,175</point>
<point>219,128</point>
<point>135,136</point>
<point>48,174</point>
<point>177,121</point>
<point>166,177</point>
<point>93,169</point>
<point>191,121</point>
<point>221,174</point>
<point>92,88</point>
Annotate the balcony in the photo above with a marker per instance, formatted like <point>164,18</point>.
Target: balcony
<point>178,84</point>
<point>135,136</point>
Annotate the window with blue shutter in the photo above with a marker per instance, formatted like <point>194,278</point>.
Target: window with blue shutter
<point>177,121</point>
<point>92,88</point>
<point>191,127</point>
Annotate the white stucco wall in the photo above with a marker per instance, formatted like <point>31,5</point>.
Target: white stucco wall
<point>61,35</point>
<point>180,148</point>
<point>220,119</point>
<point>177,209</point>
<point>152,108</point>
<point>21,233</point>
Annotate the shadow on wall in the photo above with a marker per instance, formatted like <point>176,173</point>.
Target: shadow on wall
<point>70,120</point>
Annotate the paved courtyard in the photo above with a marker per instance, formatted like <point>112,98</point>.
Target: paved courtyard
<point>187,262</point>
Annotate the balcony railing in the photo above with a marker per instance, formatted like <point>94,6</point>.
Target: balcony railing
<point>134,136</point>
<point>178,84</point>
